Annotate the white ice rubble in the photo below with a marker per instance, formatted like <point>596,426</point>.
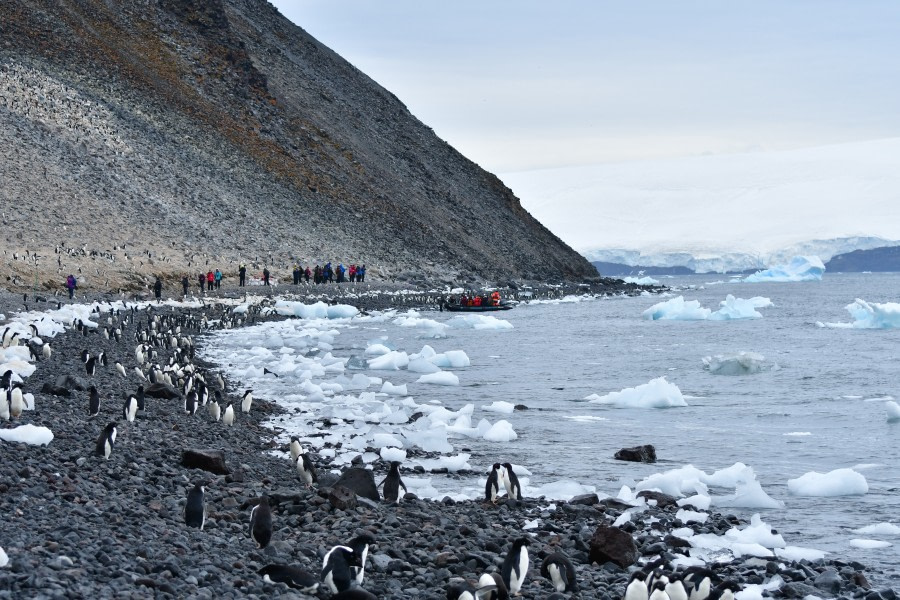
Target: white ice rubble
<point>695,483</point>
<point>741,363</point>
<point>869,315</point>
<point>678,309</point>
<point>658,393</point>
<point>801,268</point>
<point>27,434</point>
<point>840,482</point>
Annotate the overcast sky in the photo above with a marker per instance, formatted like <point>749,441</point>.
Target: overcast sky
<point>522,84</point>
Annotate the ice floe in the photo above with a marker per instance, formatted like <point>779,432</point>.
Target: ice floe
<point>879,529</point>
<point>678,309</point>
<point>869,315</point>
<point>869,544</point>
<point>840,482</point>
<point>801,268</point>
<point>658,393</point>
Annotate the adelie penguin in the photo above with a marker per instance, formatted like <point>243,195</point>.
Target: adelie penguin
<point>306,469</point>
<point>215,411</point>
<point>91,365</point>
<point>261,523</point>
<point>492,487</point>
<point>120,369</point>
<point>725,591</point>
<point>392,484</point>
<point>195,507</point>
<point>559,570</point>
<point>296,448</point>
<point>515,566</point>
<point>190,402</point>
<point>336,565</point>
<point>698,582</point>
<point>491,587</point>
<point>637,587</point>
<point>129,410</point>
<point>360,546</point>
<point>16,401</point>
<point>247,401</point>
<point>107,440</point>
<point>295,577</point>
<point>141,399</point>
<point>228,417</point>
<point>513,489</point>
<point>658,591</point>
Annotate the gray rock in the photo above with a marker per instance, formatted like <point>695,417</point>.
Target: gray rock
<point>206,460</point>
<point>360,481</point>
<point>611,544</point>
<point>645,454</point>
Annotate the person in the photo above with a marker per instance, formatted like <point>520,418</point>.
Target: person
<point>184,285</point>
<point>265,275</point>
<point>242,272</point>
<point>495,298</point>
<point>464,300</point>
<point>361,274</point>
<point>218,276</point>
<point>307,274</point>
<point>201,279</point>
<point>157,288</point>
<point>296,274</point>
<point>71,284</point>
<point>477,301</point>
<point>340,272</point>
<point>210,280</point>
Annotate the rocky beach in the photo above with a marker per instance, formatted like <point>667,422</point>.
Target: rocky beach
<point>79,525</point>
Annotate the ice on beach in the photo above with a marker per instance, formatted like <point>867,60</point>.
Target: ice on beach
<point>501,431</point>
<point>391,454</point>
<point>440,378</point>
<point>393,390</point>
<point>748,492</point>
<point>640,280</point>
<point>869,544</point>
<point>563,489</point>
<point>27,434</point>
<point>479,322</point>
<point>760,591</point>
<point>4,559</point>
<point>893,411</point>
<point>453,464</point>
<point>796,553</point>
<point>691,516</point>
<point>499,406</point>
<point>392,361</point>
<point>879,529</point>
<point>801,268</point>
<point>742,363</point>
<point>677,309</point>
<point>756,539</point>
<point>840,482</point>
<point>386,439</point>
<point>869,315</point>
<point>698,501</point>
<point>319,310</point>
<point>658,393</point>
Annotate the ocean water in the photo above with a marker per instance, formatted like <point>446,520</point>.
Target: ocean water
<point>818,405</point>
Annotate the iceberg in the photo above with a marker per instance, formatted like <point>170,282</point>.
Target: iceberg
<point>742,363</point>
<point>640,280</point>
<point>840,482</point>
<point>870,315</point>
<point>440,378</point>
<point>879,529</point>
<point>658,393</point>
<point>677,309</point>
<point>501,431</point>
<point>893,411</point>
<point>801,268</point>
<point>869,544</point>
<point>499,406</point>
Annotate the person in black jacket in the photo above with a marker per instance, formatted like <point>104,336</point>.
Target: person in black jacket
<point>157,288</point>
<point>242,271</point>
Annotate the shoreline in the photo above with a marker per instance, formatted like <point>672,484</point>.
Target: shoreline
<point>78,524</point>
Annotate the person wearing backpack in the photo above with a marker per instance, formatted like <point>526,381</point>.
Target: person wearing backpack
<point>71,284</point>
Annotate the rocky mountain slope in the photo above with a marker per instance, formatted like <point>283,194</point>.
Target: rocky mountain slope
<point>165,136</point>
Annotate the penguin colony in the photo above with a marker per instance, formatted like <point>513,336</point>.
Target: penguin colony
<point>343,567</point>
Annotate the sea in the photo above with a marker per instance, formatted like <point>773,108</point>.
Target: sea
<point>817,400</point>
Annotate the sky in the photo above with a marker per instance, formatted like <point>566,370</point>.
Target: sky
<point>517,85</point>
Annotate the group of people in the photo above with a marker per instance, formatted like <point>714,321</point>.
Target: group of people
<point>329,274</point>
<point>207,281</point>
<point>478,300</point>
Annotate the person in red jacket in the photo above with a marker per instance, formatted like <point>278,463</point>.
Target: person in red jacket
<point>210,280</point>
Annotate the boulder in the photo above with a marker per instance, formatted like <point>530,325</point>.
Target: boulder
<point>162,390</point>
<point>207,460</point>
<point>585,499</point>
<point>611,544</point>
<point>342,498</point>
<point>50,389</point>
<point>662,500</point>
<point>360,481</point>
<point>829,580</point>
<point>645,454</point>
<point>71,382</point>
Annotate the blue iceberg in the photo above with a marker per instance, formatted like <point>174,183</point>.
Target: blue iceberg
<point>802,268</point>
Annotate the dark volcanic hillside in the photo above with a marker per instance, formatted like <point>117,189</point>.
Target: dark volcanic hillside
<point>215,131</point>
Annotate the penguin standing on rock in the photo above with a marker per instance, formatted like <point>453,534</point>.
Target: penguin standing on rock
<point>658,592</point>
<point>228,417</point>
<point>261,523</point>
<point>190,402</point>
<point>336,569</point>
<point>306,469</point>
<point>515,566</point>
<point>294,577</point>
<point>107,440</point>
<point>392,483</point>
<point>559,570</point>
<point>698,582</point>
<point>130,409</point>
<point>296,448</point>
<point>120,369</point>
<point>90,366</point>
<point>491,587</point>
<point>360,546</point>
<point>215,411</point>
<point>247,401</point>
<point>141,399</point>
<point>513,489</point>
<point>195,507</point>
<point>492,487</point>
<point>16,401</point>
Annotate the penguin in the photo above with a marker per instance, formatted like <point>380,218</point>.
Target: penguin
<point>296,448</point>
<point>336,569</point>
<point>637,587</point>
<point>214,410</point>
<point>139,373</point>
<point>190,402</point>
<point>295,577</point>
<point>91,366</point>
<point>675,588</point>
<point>129,410</point>
<point>515,566</point>
<point>195,507</point>
<point>658,592</point>
<point>392,484</point>
<point>202,393</point>
<point>107,440</point>
<point>513,489</point>
<point>725,591</point>
<point>355,594</point>
<point>698,582</point>
<point>491,587</point>
<point>228,418</point>
<point>120,369</point>
<point>16,401</point>
<point>492,487</point>
<point>261,523</point>
<point>46,350</point>
<point>141,399</point>
<point>306,469</point>
<point>559,570</point>
<point>101,359</point>
<point>247,401</point>
<point>360,546</point>
<point>85,355</point>
<point>4,404</point>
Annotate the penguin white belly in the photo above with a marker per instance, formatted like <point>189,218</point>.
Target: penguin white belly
<point>516,579</point>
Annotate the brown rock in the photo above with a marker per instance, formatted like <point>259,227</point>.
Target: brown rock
<point>207,460</point>
<point>611,544</point>
<point>342,498</point>
<point>662,500</point>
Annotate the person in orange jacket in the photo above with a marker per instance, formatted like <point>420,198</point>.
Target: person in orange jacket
<point>495,298</point>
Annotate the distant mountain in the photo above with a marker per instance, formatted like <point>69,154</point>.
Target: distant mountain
<point>174,136</point>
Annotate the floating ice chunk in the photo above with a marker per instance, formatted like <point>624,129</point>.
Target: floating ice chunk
<point>658,393</point>
<point>740,308</point>
<point>479,322</point>
<point>441,378</point>
<point>452,463</point>
<point>499,406</point>
<point>690,516</point>
<point>392,454</point>
<point>563,489</point>
<point>451,359</point>
<point>840,482</point>
<point>742,363</point>
<point>319,310</point>
<point>27,434</point>
<point>698,501</point>
<point>677,309</point>
<point>422,365</point>
<point>796,553</point>
<point>893,411</point>
<point>640,280</point>
<point>879,529</point>
<point>691,480</point>
<point>376,350</point>
<point>870,315</point>
<point>392,361</point>
<point>801,268</point>
<point>869,544</point>
<point>798,433</point>
<point>394,390</point>
<point>501,431</point>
